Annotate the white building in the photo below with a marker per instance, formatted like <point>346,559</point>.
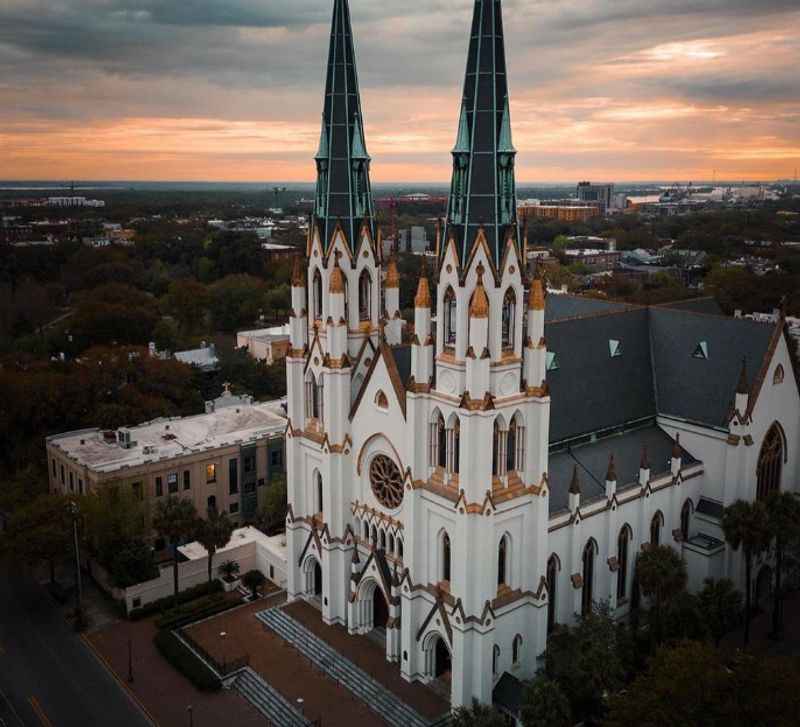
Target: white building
<point>265,344</point>
<point>499,474</point>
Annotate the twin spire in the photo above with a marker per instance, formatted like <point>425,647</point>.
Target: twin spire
<point>483,192</point>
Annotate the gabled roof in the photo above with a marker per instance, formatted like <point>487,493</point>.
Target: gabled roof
<point>658,371</point>
<point>386,353</point>
<point>560,307</point>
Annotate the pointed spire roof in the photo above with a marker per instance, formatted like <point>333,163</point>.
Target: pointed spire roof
<point>483,190</point>
<point>392,275</point>
<point>479,308</point>
<point>298,273</point>
<point>677,452</point>
<point>611,474</point>
<point>536,296</point>
<point>423,297</point>
<point>344,195</point>
<point>575,485</point>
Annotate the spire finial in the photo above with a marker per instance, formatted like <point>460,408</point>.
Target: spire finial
<point>536,297</point>
<point>575,485</point>
<point>423,297</point>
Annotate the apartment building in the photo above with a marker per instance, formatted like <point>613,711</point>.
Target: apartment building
<point>225,458</point>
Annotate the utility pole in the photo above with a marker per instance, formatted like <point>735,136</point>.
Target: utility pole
<point>74,510</point>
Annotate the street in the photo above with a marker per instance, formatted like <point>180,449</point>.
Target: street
<point>48,677</point>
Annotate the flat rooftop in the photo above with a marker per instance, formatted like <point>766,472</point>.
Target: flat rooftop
<point>163,439</point>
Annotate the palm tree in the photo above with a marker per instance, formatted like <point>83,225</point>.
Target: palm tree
<point>783,514</point>
<point>213,533</point>
<point>175,520</point>
<point>662,576</point>
<point>745,525</point>
<point>721,605</point>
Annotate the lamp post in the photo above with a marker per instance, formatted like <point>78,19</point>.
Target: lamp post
<point>74,511</point>
<point>130,661</point>
<point>191,715</point>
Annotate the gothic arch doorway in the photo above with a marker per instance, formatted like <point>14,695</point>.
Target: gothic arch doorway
<point>380,610</point>
<point>317,579</point>
<point>443,662</point>
<point>438,660</point>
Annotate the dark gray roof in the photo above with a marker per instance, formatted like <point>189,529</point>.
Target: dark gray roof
<point>656,373</point>
<point>706,305</point>
<point>402,358</point>
<point>592,460</point>
<point>482,192</point>
<point>590,390</point>
<point>558,307</point>
<point>711,508</point>
<point>343,188</point>
<point>508,693</point>
<point>702,390</point>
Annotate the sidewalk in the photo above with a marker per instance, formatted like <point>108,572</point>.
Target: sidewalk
<point>163,692</point>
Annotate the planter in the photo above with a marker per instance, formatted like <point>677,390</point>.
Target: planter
<point>230,585</point>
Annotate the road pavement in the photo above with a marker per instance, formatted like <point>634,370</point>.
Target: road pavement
<point>48,677</point>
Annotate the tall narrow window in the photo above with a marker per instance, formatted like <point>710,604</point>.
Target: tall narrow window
<point>502,555</point>
<point>498,449</point>
<point>455,440</point>
<point>686,517</point>
<point>622,561</point>
<point>587,596</point>
<point>655,529</point>
<point>511,447</point>
<point>770,463</point>
<point>446,558</point>
<point>449,318</point>
<point>509,318</point>
<point>441,443</point>
<point>495,659</point>
<point>552,595</point>
<point>320,507</point>
<point>317,295</point>
<point>516,649</point>
<point>365,296</point>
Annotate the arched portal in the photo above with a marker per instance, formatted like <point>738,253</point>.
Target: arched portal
<point>317,579</point>
<point>438,659</point>
<point>380,610</point>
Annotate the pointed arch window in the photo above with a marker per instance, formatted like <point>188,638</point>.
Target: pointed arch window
<point>437,445</point>
<point>655,529</point>
<point>400,548</point>
<point>365,296</point>
<point>499,448</point>
<point>587,596</point>
<point>770,463</point>
<point>450,317</point>
<point>623,544</point>
<point>778,376</point>
<point>552,595</point>
<point>316,294</point>
<point>446,558</point>
<point>391,544</point>
<point>509,319</point>
<point>320,506</point>
<point>314,393</point>
<point>366,531</point>
<point>495,659</point>
<point>515,446</point>
<point>686,519</point>
<point>382,539</point>
<point>502,562</point>
<point>516,649</point>
<point>454,446</point>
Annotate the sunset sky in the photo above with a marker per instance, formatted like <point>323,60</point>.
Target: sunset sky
<point>231,90</point>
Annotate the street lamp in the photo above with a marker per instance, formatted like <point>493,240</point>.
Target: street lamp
<point>74,511</point>
<point>191,716</point>
<point>130,661</point>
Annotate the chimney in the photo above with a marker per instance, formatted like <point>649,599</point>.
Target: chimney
<point>742,390</point>
<point>677,456</point>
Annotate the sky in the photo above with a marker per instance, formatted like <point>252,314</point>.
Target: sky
<point>231,90</point>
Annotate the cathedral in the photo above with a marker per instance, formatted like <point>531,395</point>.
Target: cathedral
<point>461,483</point>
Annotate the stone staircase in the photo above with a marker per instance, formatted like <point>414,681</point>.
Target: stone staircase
<point>377,697</point>
<point>276,708</point>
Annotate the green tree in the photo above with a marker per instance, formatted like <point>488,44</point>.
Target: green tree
<point>254,580</point>
<point>40,531</point>
<point>166,336</point>
<point>721,605</point>
<point>783,519</point>
<point>187,301</point>
<point>113,515</point>
<point>545,705</point>
<point>695,685</point>
<point>175,520</point>
<point>589,661</point>
<point>214,533</point>
<point>132,563</point>
<point>273,513</point>
<point>236,300</point>
<point>662,576</point>
<point>746,526</point>
<point>479,715</point>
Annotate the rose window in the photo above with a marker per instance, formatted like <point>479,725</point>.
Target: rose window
<point>387,481</point>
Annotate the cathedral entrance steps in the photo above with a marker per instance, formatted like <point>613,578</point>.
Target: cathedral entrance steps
<point>276,708</point>
<point>377,697</point>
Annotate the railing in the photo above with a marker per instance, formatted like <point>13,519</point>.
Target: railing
<point>223,668</point>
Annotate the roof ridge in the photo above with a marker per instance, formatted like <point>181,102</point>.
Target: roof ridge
<point>598,314</point>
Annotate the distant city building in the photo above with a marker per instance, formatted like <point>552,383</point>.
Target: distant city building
<point>595,259</point>
<point>278,252</point>
<point>560,212</point>
<point>74,202</point>
<point>220,460</point>
<point>265,344</point>
<point>205,357</point>
<point>601,193</point>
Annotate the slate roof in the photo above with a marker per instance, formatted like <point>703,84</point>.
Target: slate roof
<point>402,357</point>
<point>477,197</point>
<point>507,693</point>
<point>656,373</point>
<point>558,307</point>
<point>706,305</point>
<point>343,194</point>
<point>592,460</point>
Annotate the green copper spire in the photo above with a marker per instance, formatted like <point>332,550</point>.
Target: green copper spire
<point>483,189</point>
<point>344,194</point>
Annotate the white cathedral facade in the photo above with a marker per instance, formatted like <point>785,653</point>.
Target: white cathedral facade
<point>467,480</point>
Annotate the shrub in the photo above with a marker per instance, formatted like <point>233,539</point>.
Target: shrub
<point>162,604</point>
<point>195,670</point>
<point>191,612</point>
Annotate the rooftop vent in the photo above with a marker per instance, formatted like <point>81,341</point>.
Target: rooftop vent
<point>701,351</point>
<point>552,361</point>
<point>615,348</point>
